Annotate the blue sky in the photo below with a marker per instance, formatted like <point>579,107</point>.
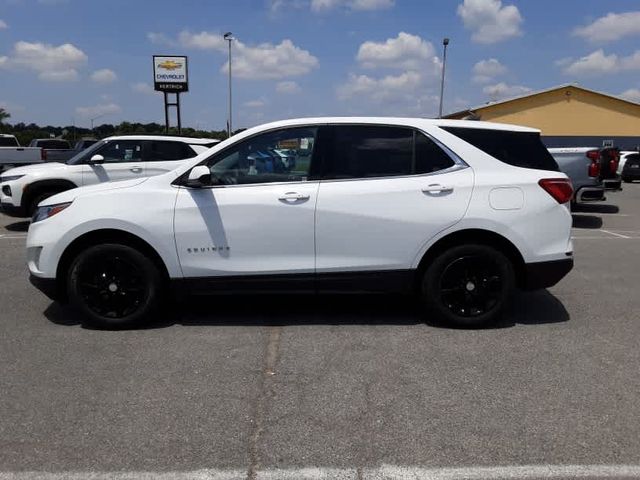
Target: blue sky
<point>66,61</point>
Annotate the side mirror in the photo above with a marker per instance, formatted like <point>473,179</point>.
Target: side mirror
<point>96,160</point>
<point>199,177</point>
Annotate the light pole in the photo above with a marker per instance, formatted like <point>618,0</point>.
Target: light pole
<point>229,38</point>
<point>95,118</point>
<point>445,42</point>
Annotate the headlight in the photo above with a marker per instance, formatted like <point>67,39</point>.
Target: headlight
<point>10,178</point>
<point>42,213</point>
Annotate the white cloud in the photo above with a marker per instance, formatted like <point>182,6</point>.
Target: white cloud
<point>259,103</point>
<point>263,61</point>
<point>50,62</point>
<point>599,63</point>
<point>159,39</point>
<point>489,21</point>
<point>406,51</point>
<point>633,95</point>
<point>288,87</point>
<point>3,25</point>
<point>96,110</point>
<point>610,28</point>
<point>407,92</point>
<point>142,87</point>
<point>355,5</point>
<point>501,91</point>
<point>486,70</point>
<point>104,75</point>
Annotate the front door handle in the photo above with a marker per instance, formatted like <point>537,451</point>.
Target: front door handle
<point>295,196</point>
<point>437,188</point>
<point>135,169</point>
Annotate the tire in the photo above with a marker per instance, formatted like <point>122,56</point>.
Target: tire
<point>114,286</point>
<point>37,199</point>
<point>626,179</point>
<point>468,286</point>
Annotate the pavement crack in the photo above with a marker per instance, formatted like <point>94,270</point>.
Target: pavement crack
<point>265,394</point>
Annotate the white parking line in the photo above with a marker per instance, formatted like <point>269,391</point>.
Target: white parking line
<point>385,472</point>
<point>619,235</point>
<point>8,236</point>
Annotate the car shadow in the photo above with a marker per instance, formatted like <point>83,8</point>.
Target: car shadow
<point>595,208</point>
<point>18,226</point>
<point>586,221</point>
<point>528,308</point>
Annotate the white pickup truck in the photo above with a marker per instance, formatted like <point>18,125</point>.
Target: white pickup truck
<point>13,155</point>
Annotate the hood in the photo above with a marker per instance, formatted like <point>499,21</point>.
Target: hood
<point>71,195</point>
<point>34,169</point>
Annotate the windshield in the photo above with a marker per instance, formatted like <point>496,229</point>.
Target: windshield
<point>79,157</point>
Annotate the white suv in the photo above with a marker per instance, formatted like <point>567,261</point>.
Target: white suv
<point>111,159</point>
<point>459,212</point>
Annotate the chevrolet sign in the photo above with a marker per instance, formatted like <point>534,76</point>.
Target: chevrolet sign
<point>170,74</point>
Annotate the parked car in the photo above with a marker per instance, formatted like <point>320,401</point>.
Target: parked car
<point>459,212</point>
<point>631,167</point>
<point>582,166</point>
<point>623,159</point>
<point>53,149</point>
<point>84,144</point>
<point>12,154</point>
<point>114,158</point>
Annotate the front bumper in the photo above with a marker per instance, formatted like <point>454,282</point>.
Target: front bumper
<point>48,286</point>
<point>546,274</point>
<point>12,210</point>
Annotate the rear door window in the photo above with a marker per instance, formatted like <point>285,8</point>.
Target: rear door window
<point>363,151</point>
<point>520,149</point>
<point>164,151</point>
<point>8,142</point>
<point>429,156</point>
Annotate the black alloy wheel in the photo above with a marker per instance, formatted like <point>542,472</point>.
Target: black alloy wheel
<point>114,285</point>
<point>469,285</point>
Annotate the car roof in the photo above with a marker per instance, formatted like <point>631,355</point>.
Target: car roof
<point>189,140</point>
<point>395,121</point>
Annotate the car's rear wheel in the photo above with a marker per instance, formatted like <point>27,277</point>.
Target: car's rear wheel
<point>468,285</point>
<point>114,286</point>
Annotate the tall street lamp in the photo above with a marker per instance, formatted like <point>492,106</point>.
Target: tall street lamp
<point>229,38</point>
<point>95,118</point>
<point>445,42</point>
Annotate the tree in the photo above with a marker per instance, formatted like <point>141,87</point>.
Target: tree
<point>3,115</point>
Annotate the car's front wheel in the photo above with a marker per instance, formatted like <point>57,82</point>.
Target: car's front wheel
<point>114,286</point>
<point>468,285</point>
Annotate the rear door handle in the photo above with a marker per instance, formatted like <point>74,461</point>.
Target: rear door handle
<point>293,196</point>
<point>437,188</point>
<point>136,169</point>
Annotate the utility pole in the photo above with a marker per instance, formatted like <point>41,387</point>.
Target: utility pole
<point>229,38</point>
<point>445,43</point>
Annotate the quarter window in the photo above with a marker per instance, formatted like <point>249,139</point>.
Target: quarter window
<point>278,156</point>
<point>119,151</point>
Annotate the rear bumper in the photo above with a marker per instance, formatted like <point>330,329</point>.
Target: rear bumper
<point>48,286</point>
<point>612,184</point>
<point>590,194</point>
<point>12,210</point>
<point>546,274</point>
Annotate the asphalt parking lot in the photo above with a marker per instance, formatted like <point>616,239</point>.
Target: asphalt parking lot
<point>362,387</point>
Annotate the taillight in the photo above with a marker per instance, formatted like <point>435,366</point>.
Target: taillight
<point>593,155</point>
<point>613,163</point>
<point>43,155</point>
<point>559,188</point>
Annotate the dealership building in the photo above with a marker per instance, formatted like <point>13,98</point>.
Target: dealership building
<point>568,115</point>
